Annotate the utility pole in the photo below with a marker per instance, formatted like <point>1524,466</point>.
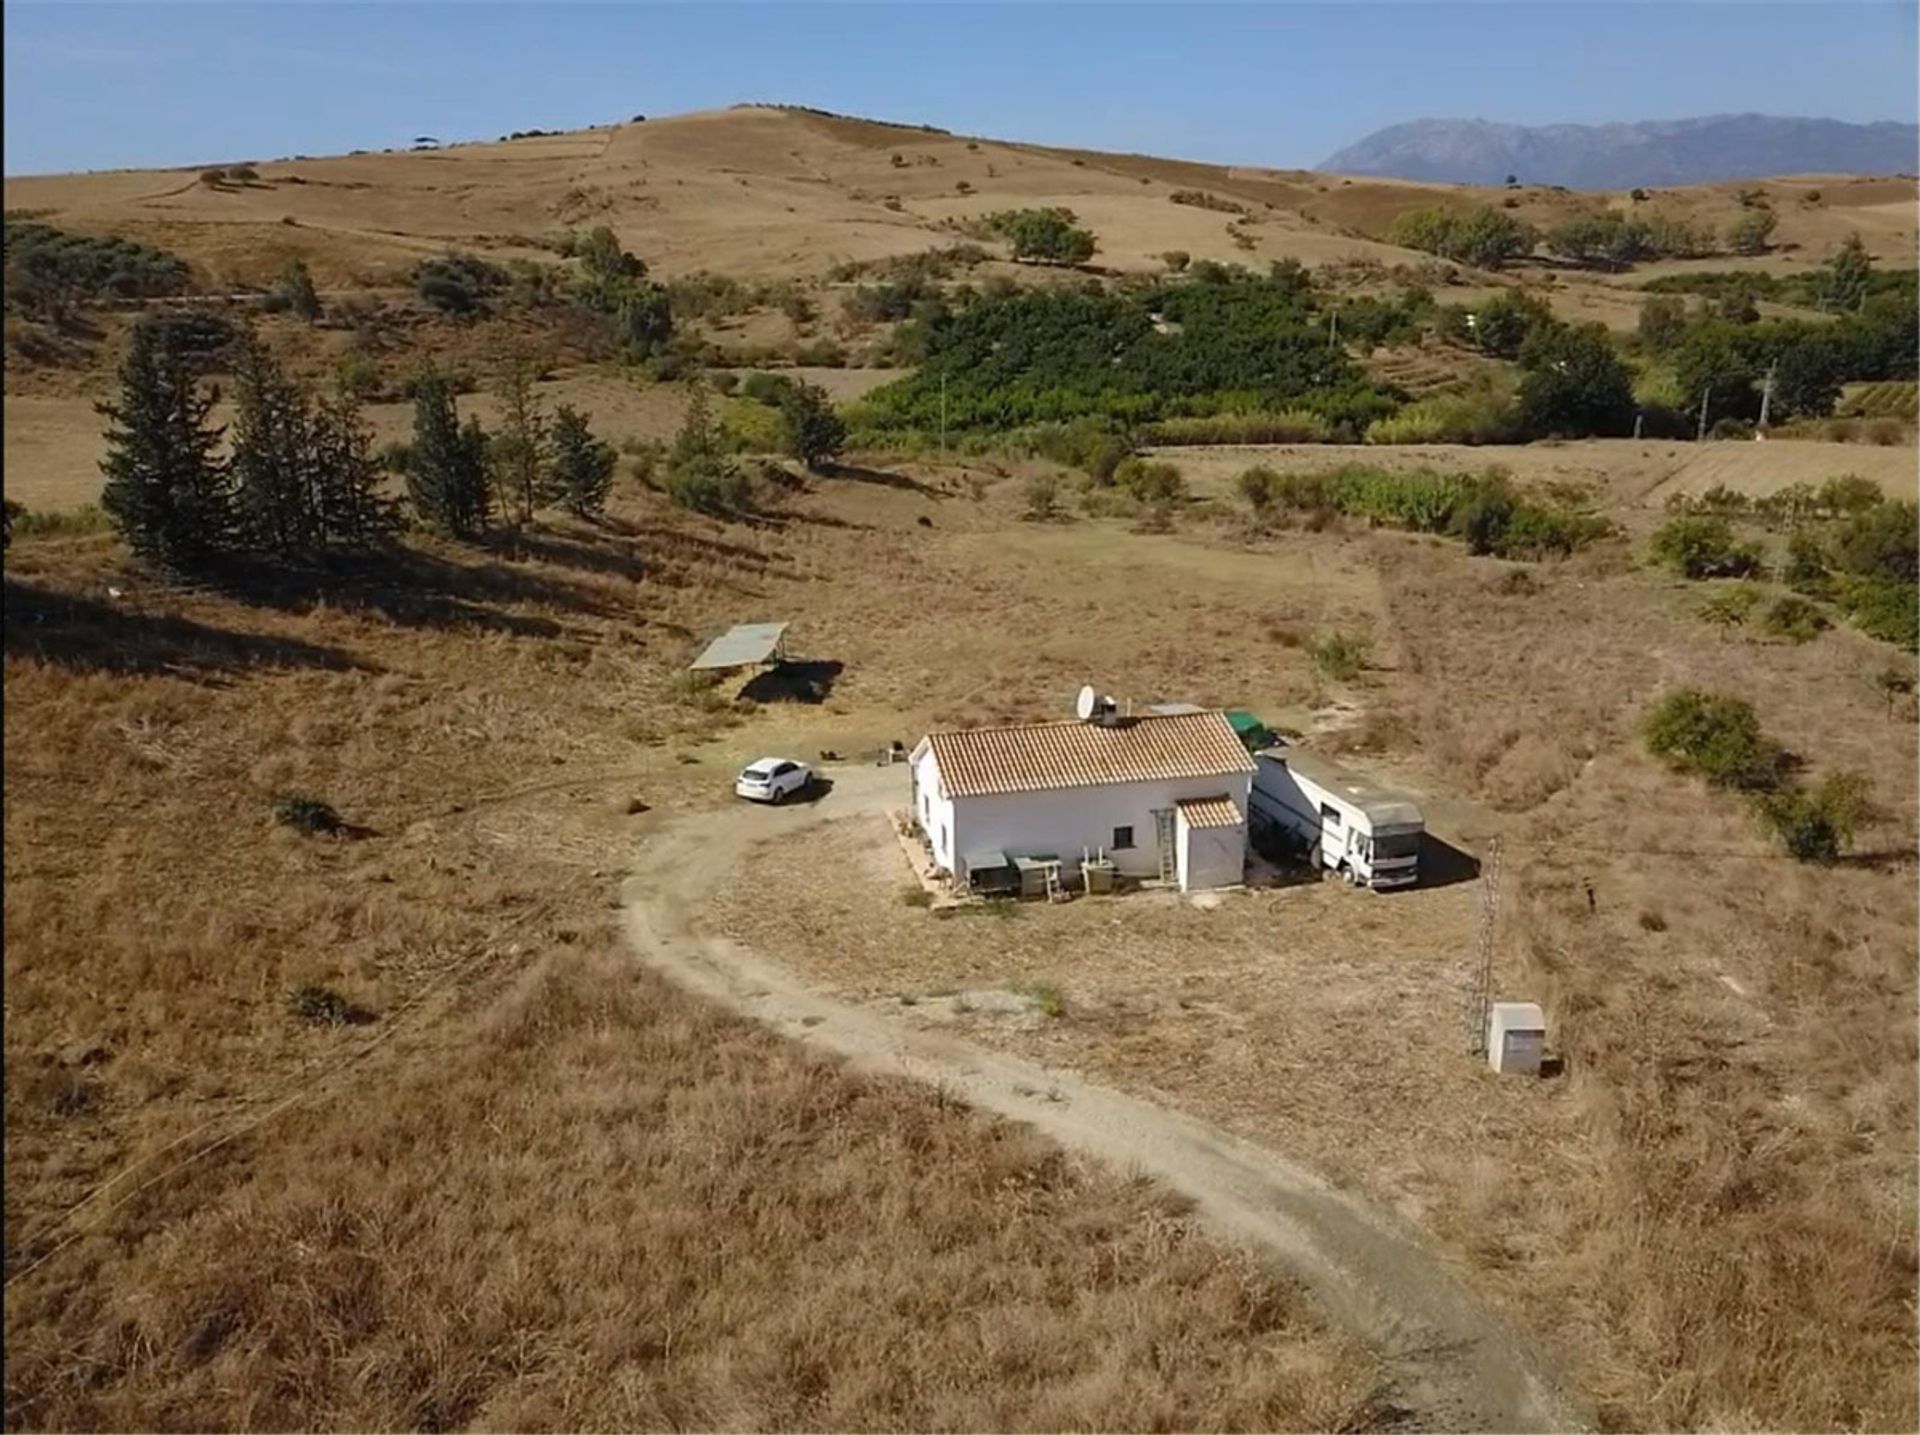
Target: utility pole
<point>1333,329</point>
<point>1639,421</point>
<point>943,417</point>
<point>1766,399</point>
<point>1701,434</point>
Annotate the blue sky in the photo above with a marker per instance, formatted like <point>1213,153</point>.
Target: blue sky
<point>106,86</point>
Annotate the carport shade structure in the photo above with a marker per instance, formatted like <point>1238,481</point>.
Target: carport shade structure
<point>745,645</point>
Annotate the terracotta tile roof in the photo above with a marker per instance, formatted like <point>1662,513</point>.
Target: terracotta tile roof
<point>1210,811</point>
<point>1042,757</point>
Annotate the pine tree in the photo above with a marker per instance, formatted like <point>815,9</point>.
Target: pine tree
<point>348,476</point>
<point>520,448</point>
<point>813,431</point>
<point>273,457</point>
<point>700,475</point>
<point>447,475</point>
<point>1849,274</point>
<point>582,464</point>
<point>296,287</point>
<point>166,490</point>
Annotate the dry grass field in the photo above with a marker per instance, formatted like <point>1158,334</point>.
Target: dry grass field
<point>1716,1200</point>
<point>784,193</point>
<point>493,1200</point>
<point>516,1181</point>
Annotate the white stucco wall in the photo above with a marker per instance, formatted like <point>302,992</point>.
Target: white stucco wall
<point>932,808</point>
<point>1212,857</point>
<point>1032,824</point>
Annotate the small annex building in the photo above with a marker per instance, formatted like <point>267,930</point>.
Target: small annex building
<point>1163,796</point>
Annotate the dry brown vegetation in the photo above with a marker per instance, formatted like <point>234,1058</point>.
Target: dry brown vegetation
<point>494,1200</point>
<point>1716,1198</point>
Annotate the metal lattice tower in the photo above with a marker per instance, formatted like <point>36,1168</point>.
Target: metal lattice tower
<point>1480,990</point>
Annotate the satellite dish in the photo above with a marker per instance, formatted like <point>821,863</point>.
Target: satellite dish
<point>1087,704</point>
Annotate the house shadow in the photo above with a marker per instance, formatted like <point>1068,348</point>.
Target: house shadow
<point>1444,865</point>
<point>85,633</point>
<point>793,680</point>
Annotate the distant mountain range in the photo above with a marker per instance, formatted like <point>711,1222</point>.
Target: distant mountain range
<point>1623,156</point>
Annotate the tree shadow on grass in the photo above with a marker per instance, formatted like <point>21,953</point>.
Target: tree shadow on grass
<point>568,550</point>
<point>88,634</point>
<point>415,589</point>
<point>858,473</point>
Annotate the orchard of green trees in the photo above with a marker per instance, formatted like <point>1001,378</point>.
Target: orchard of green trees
<point>1222,340</point>
<point>1721,355</point>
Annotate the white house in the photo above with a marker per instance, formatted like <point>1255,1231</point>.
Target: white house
<point>1162,795</point>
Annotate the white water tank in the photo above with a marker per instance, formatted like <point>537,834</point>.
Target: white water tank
<point>1516,1038</point>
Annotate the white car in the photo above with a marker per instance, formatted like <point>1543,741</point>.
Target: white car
<point>773,779</point>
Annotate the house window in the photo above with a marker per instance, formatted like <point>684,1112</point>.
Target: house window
<point>945,846</point>
<point>1122,838</point>
<point>1330,813</point>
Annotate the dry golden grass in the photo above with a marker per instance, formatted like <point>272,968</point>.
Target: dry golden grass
<point>1717,1199</point>
<point>1714,1205</point>
<point>768,192</point>
<point>498,1205</point>
<point>599,1205</point>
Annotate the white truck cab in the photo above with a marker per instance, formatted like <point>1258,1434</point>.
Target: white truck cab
<point>1348,823</point>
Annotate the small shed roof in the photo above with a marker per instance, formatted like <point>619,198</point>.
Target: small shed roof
<point>1043,757</point>
<point>1209,811</point>
<point>741,646</point>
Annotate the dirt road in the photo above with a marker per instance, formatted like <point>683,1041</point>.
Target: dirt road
<point>1449,1362</point>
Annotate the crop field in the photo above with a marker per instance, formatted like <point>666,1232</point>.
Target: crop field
<point>1888,400</point>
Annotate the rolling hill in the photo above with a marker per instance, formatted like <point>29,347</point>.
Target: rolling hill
<point>773,192</point>
<point>1625,156</point>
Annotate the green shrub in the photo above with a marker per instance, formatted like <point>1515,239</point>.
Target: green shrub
<point>306,814</point>
<point>457,283</point>
<point>56,523</point>
<point>48,267</point>
<point>1049,236</point>
<point>323,1006</point>
<point>1731,606</point>
<point>1883,608</point>
<point>1817,825</point>
<point>1794,619</point>
<point>1285,426</point>
<point>1476,418</point>
<point>748,427</point>
<point>1339,657</point>
<point>1155,483</point>
<point>1714,736</point>
<point>1042,494</point>
<point>1258,488</point>
<point>764,388</point>
<point>1704,547</point>
<point>1880,542</point>
<point>1481,236</point>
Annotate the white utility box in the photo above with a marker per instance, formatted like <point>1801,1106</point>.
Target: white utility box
<point>1516,1037</point>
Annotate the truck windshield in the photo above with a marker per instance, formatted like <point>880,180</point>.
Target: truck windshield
<point>1390,845</point>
